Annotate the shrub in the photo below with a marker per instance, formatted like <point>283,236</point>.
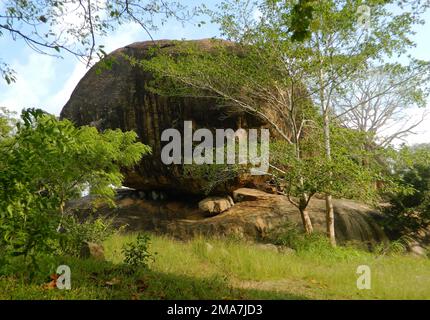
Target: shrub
<point>291,235</point>
<point>409,209</point>
<point>315,244</point>
<point>45,163</point>
<point>395,247</point>
<point>137,254</point>
<point>76,233</point>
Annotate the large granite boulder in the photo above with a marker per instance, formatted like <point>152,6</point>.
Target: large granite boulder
<point>119,98</point>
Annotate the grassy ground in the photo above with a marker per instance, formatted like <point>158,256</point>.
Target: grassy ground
<point>229,269</point>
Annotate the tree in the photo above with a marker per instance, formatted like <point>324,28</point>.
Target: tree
<point>48,162</point>
<point>252,78</point>
<point>340,44</point>
<point>376,102</point>
<point>337,47</point>
<point>246,79</point>
<point>41,24</point>
<point>409,207</point>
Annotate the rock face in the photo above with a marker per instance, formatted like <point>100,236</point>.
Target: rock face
<point>252,218</point>
<point>119,98</point>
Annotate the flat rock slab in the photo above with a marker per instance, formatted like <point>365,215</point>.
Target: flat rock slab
<point>216,205</point>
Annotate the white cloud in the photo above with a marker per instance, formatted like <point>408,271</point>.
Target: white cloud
<point>60,98</point>
<point>39,76</point>
<point>33,78</point>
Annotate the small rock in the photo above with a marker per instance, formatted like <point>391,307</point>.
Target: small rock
<point>215,205</point>
<point>92,250</point>
<point>418,250</point>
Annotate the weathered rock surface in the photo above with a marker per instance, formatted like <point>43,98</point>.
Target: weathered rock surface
<point>247,194</point>
<point>119,98</point>
<point>417,249</point>
<point>216,205</point>
<point>254,218</point>
<point>92,250</point>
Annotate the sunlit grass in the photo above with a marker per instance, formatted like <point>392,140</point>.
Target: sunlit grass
<point>323,272</point>
<point>230,269</point>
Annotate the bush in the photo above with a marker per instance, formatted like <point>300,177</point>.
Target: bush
<point>315,244</point>
<point>396,247</point>
<point>291,235</point>
<point>45,163</point>
<point>76,233</point>
<point>137,254</point>
<point>409,209</point>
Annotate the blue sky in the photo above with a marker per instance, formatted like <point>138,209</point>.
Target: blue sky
<point>47,82</point>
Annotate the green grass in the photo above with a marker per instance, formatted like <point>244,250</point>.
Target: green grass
<point>231,269</point>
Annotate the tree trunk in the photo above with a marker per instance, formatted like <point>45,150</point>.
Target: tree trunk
<point>325,108</point>
<point>306,219</point>
<point>307,224</point>
<point>303,201</point>
<point>330,220</point>
<point>328,198</point>
<point>62,204</point>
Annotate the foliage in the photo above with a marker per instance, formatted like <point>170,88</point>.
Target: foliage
<point>348,178</point>
<point>409,208</point>
<point>376,101</point>
<point>214,175</point>
<point>75,233</point>
<point>292,236</point>
<point>137,254</point>
<point>265,72</point>
<point>395,247</point>
<point>6,123</point>
<point>45,164</point>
